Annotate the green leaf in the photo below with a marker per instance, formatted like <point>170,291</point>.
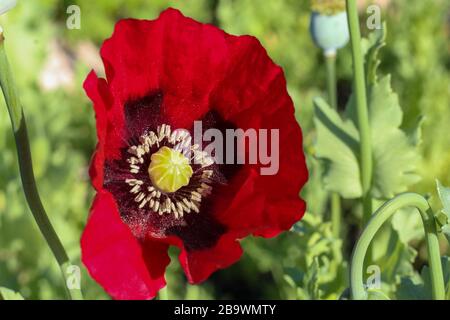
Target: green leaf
<point>7,294</point>
<point>411,288</point>
<point>395,157</point>
<point>315,192</point>
<point>444,220</point>
<point>371,47</point>
<point>311,280</point>
<point>408,223</point>
<point>374,294</point>
<point>419,287</point>
<point>307,283</point>
<point>337,145</point>
<point>319,261</point>
<point>395,256</point>
<point>415,133</point>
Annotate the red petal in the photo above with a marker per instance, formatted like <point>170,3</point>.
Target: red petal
<point>108,129</point>
<point>178,56</point>
<point>265,205</point>
<point>91,86</point>
<point>292,173</point>
<point>239,207</point>
<point>253,210</point>
<point>280,215</point>
<point>248,80</point>
<point>199,264</point>
<point>115,259</point>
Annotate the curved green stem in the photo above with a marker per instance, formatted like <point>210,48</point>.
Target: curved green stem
<point>378,219</point>
<point>366,166</point>
<point>26,168</point>
<point>330,61</point>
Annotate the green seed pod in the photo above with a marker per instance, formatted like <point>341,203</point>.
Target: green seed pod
<point>329,32</point>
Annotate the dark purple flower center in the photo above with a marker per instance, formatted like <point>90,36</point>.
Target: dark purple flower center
<point>148,210</point>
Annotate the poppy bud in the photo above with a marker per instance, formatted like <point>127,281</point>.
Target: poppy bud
<point>328,26</point>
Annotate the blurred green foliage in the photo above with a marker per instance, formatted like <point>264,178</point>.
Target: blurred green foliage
<point>306,263</point>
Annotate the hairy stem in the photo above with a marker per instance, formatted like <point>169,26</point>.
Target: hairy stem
<point>330,61</point>
<point>378,219</point>
<point>26,168</point>
<point>362,109</point>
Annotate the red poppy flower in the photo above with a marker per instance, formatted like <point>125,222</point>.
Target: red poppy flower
<point>161,76</point>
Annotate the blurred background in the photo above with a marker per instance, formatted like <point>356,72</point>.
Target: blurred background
<point>50,62</point>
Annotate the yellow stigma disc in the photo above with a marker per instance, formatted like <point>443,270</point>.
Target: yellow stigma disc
<point>169,170</point>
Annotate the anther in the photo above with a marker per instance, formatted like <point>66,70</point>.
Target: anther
<point>139,197</point>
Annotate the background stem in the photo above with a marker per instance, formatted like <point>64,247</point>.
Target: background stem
<point>362,109</point>
<point>336,214</point>
<point>26,167</point>
<point>330,61</point>
<point>382,215</point>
